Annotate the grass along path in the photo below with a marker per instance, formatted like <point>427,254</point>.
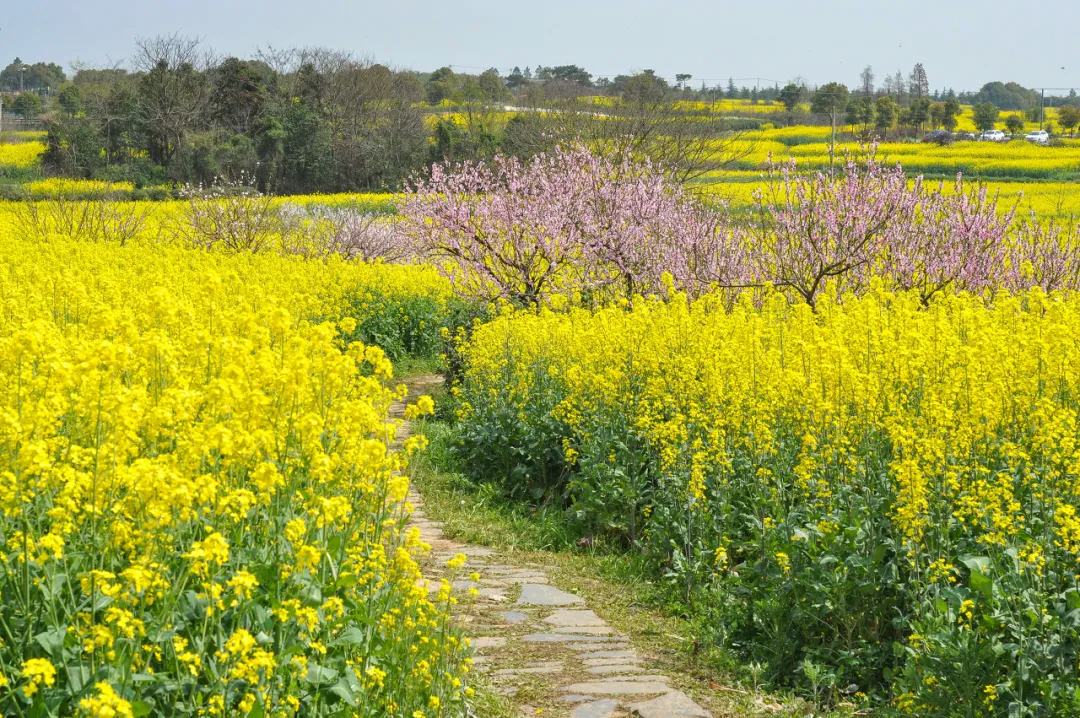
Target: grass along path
<point>560,632</point>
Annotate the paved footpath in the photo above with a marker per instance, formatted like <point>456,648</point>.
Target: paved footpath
<point>541,645</point>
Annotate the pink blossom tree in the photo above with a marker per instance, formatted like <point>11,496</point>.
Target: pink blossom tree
<point>572,221</point>
<point>1043,254</point>
<point>956,241</point>
<point>810,229</point>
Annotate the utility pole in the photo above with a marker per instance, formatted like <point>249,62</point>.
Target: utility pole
<point>832,146</point>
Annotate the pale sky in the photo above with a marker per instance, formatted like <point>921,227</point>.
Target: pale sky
<point>962,43</point>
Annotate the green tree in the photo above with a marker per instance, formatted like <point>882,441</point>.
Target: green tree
<point>1015,124</point>
<point>645,89</point>
<point>492,86</point>
<point>1007,96</point>
<point>27,105</point>
<point>919,112</point>
<point>918,84</point>
<point>791,96</point>
<point>515,79</point>
<point>886,112</point>
<point>867,111</point>
<point>852,114</point>
<point>985,115</point>
<point>937,115</point>
<point>70,98</point>
<point>73,147</point>
<point>306,150</point>
<point>39,76</point>
<point>570,73</point>
<point>206,156</point>
<point>442,84</point>
<point>240,92</point>
<point>173,93</point>
<point>951,111</point>
<point>1068,117</point>
<point>830,99</point>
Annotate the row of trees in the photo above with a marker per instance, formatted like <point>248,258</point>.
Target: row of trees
<point>38,77</point>
<point>862,111</point>
<point>316,120</point>
<point>574,222</point>
<point>297,120</point>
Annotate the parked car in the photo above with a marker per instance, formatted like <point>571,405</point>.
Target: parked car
<point>1038,136</point>
<point>993,136</point>
<point>965,136</point>
<point>939,137</point>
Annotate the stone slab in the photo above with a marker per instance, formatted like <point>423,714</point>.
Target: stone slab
<point>575,698</point>
<point>568,638</point>
<point>513,616</point>
<point>574,617</point>
<point>675,704</point>
<point>618,642</point>
<point>596,709</point>
<point>624,661</point>
<point>618,688</point>
<point>537,594</point>
<point>608,654</point>
<point>588,630</point>
<point>616,668</point>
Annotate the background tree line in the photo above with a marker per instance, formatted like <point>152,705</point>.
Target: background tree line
<point>317,120</point>
<point>309,120</point>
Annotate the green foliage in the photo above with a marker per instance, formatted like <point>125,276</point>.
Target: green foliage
<point>830,98</point>
<point>38,76</point>
<point>919,112</point>
<point>886,112</point>
<point>70,98</point>
<point>73,148</point>
<point>859,112</point>
<point>27,105</point>
<point>441,85</point>
<point>1068,117</point>
<point>402,325</point>
<point>950,112</point>
<point>1007,96</point>
<point>205,157</point>
<point>985,116</point>
<point>791,96</point>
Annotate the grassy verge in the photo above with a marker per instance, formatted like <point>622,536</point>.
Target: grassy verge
<point>616,584</point>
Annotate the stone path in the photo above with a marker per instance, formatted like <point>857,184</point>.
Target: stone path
<point>544,646</point>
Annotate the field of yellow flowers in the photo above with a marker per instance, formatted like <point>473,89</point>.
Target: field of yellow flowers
<point>20,155</point>
<point>199,512</point>
<point>1017,160</point>
<point>877,492</point>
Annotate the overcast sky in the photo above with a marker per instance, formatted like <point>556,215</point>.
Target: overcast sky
<point>962,43</point>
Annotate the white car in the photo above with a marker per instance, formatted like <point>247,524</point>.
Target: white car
<point>993,136</point>
<point>1039,136</point>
